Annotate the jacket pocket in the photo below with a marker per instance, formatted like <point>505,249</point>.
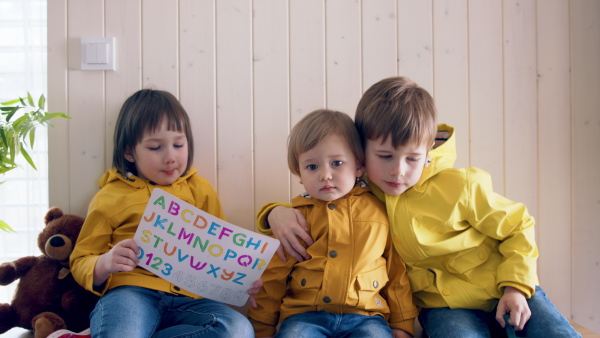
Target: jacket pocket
<point>369,285</point>
<point>304,286</point>
<point>472,258</point>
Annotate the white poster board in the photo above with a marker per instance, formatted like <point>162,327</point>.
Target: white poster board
<point>199,252</point>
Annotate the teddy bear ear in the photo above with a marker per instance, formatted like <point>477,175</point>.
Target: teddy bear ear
<point>53,213</point>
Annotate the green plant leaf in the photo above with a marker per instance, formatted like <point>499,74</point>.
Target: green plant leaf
<point>49,116</point>
<point>19,122</point>
<point>10,103</point>
<point>12,112</point>
<point>30,100</point>
<point>3,137</point>
<point>5,227</point>
<point>31,137</point>
<point>28,158</point>
<point>42,102</point>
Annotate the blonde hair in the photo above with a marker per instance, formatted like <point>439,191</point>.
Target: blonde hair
<point>315,126</point>
<point>397,107</point>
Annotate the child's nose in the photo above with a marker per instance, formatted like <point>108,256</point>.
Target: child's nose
<point>325,174</point>
<point>170,156</point>
<point>398,169</point>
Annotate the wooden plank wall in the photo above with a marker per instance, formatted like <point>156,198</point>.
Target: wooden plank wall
<point>518,79</point>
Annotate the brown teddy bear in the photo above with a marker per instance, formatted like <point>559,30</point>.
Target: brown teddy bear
<point>47,297</point>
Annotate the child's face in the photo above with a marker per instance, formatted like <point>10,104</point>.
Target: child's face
<point>329,170</point>
<point>161,156</point>
<point>394,170</point>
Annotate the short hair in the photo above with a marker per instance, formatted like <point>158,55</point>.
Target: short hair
<point>144,112</point>
<point>314,127</point>
<point>397,107</point>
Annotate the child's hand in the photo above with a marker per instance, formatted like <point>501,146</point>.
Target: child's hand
<point>286,224</point>
<point>255,289</point>
<point>122,257</point>
<point>397,333</point>
<point>514,302</point>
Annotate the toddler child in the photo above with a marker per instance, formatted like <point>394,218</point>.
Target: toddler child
<point>354,284</point>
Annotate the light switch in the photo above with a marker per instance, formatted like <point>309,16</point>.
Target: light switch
<point>97,53</point>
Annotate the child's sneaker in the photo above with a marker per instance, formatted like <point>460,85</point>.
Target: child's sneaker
<point>70,334</point>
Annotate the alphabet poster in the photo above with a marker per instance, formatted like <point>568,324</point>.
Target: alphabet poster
<point>199,252</point>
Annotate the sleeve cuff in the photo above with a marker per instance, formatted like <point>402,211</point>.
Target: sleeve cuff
<point>405,325</point>
<point>528,291</point>
<point>263,213</point>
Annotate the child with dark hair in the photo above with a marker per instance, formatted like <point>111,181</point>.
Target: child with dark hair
<point>153,148</point>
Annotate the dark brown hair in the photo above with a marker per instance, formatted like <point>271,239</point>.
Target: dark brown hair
<point>144,112</point>
<point>397,107</point>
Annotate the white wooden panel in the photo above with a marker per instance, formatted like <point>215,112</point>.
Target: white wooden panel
<point>486,90</point>
<point>123,21</point>
<point>415,42</point>
<point>160,43</point>
<point>379,41</point>
<point>198,81</point>
<point>58,137</point>
<point>234,111</point>
<point>520,97</point>
<point>451,71</point>
<point>585,86</point>
<point>344,87</point>
<point>86,106</point>
<point>307,64</point>
<point>554,220</point>
<point>271,101</point>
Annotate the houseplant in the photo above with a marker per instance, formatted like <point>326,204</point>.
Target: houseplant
<point>18,122</point>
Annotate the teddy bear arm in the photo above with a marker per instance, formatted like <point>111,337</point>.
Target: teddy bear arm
<point>11,271</point>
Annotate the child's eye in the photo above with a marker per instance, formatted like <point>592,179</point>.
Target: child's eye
<point>413,159</point>
<point>336,163</point>
<point>312,167</point>
<point>385,156</point>
<point>154,148</point>
<point>178,145</point>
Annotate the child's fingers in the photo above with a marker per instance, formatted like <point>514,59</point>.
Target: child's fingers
<point>521,318</point>
<point>281,253</point>
<point>128,248</point>
<point>500,312</point>
<point>253,302</point>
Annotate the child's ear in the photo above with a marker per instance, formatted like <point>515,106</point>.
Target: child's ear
<point>360,169</point>
<point>129,156</point>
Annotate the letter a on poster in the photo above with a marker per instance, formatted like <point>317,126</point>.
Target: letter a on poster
<point>199,252</point>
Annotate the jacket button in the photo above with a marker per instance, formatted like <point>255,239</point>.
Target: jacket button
<point>331,206</point>
<point>176,288</point>
<point>333,254</point>
<point>375,284</point>
<point>446,292</point>
<point>482,255</point>
<point>303,282</point>
<point>327,300</point>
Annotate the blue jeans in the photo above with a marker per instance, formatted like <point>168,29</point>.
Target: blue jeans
<point>545,321</point>
<point>132,311</point>
<point>324,324</point>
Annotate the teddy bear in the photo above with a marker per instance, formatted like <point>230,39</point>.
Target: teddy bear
<point>47,297</point>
